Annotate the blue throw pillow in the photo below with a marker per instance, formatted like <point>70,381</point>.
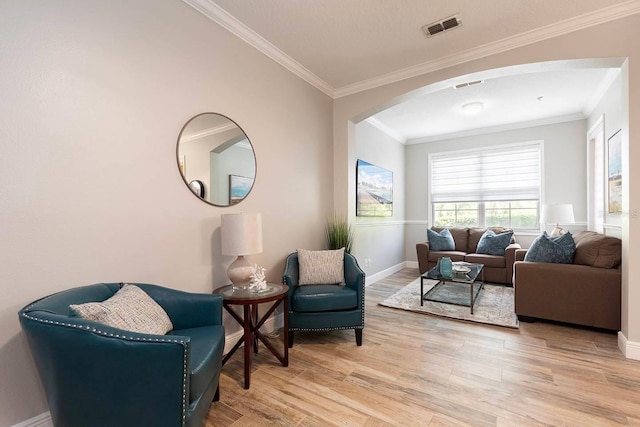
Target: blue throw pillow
<point>442,241</point>
<point>494,244</point>
<point>557,249</point>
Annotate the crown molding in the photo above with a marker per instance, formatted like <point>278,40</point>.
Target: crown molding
<point>227,21</point>
<point>386,130</point>
<point>600,91</point>
<point>498,128</point>
<point>221,17</point>
<point>207,132</point>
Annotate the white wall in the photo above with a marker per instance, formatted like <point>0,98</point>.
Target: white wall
<point>94,95</point>
<point>564,172</point>
<point>379,241</point>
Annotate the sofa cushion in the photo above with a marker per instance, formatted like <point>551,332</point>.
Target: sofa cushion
<point>492,261</point>
<point>434,256</point>
<point>130,309</point>
<point>321,267</point>
<point>557,249</point>
<point>442,241</point>
<point>317,298</point>
<point>494,244</point>
<point>597,250</point>
<point>206,346</point>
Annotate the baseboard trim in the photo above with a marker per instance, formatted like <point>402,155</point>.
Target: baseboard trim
<point>411,264</point>
<point>630,349</point>
<point>388,272</point>
<point>42,420</point>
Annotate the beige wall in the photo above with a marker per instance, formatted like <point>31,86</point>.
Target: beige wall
<point>93,97</point>
<point>615,39</point>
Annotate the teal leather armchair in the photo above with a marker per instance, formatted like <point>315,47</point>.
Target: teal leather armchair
<point>325,307</point>
<point>96,375</point>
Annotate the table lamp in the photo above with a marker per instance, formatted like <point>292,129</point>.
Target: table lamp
<point>241,236</point>
<point>558,214</point>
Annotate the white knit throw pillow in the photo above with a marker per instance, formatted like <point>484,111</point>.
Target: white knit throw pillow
<point>321,267</point>
<point>130,309</point>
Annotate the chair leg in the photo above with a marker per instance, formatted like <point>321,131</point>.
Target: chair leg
<point>290,343</point>
<point>216,397</point>
<point>359,336</point>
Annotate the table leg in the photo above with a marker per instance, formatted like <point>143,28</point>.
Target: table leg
<point>285,333</point>
<point>283,358</point>
<point>471,300</point>
<point>254,322</point>
<point>421,290</point>
<point>248,342</point>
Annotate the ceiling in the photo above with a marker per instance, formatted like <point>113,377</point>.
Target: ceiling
<point>346,46</point>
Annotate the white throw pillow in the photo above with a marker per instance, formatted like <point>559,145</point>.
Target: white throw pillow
<point>131,309</point>
<point>321,267</point>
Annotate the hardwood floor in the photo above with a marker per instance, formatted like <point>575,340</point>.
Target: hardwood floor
<point>420,370</point>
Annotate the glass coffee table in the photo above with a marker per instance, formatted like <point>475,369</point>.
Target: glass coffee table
<point>462,288</point>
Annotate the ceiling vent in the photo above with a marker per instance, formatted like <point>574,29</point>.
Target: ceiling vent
<point>442,25</point>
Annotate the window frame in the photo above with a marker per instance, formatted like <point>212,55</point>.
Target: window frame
<point>539,144</point>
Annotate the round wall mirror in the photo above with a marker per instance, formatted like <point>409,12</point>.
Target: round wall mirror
<point>216,159</point>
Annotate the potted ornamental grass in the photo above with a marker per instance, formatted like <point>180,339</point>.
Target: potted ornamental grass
<point>339,233</point>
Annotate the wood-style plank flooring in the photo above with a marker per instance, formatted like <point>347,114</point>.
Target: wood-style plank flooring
<point>420,370</point>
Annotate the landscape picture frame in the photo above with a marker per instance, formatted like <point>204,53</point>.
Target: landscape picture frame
<point>614,173</point>
<point>374,190</point>
<point>239,187</point>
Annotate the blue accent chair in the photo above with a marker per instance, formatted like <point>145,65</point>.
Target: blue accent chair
<point>325,307</point>
<point>96,375</point>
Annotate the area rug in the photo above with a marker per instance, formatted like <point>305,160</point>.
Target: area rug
<point>494,305</point>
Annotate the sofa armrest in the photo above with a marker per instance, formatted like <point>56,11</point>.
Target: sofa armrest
<point>422,250</point>
<point>568,293</point>
<point>354,277</point>
<point>520,254</point>
<point>510,258</point>
<point>185,309</point>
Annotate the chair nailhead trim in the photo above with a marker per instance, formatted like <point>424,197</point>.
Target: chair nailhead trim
<point>131,338</point>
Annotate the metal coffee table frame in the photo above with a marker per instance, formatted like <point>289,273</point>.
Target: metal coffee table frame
<point>469,278</point>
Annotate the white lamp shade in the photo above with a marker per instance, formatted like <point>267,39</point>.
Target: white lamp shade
<point>557,214</point>
<point>241,233</point>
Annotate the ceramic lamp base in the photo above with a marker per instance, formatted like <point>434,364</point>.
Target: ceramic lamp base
<point>557,231</point>
<point>239,272</point>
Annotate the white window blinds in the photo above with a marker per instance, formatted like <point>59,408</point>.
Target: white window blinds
<point>490,174</point>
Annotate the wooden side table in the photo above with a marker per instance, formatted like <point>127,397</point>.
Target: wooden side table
<point>249,300</point>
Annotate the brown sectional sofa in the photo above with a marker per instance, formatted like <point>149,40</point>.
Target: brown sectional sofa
<point>497,269</point>
<point>587,292</point>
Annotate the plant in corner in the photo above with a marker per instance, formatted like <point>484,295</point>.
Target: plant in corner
<point>339,233</point>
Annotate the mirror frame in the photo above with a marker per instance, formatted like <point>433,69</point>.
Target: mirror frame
<point>183,176</point>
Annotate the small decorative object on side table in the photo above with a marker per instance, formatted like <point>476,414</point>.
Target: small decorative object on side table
<point>249,299</point>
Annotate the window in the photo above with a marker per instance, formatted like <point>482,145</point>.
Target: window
<point>492,187</point>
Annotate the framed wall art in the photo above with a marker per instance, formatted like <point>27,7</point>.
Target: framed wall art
<point>614,173</point>
<point>239,187</point>
<point>374,190</point>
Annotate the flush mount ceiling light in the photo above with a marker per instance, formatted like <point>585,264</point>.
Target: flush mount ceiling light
<point>472,107</point>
